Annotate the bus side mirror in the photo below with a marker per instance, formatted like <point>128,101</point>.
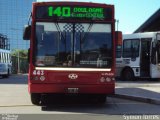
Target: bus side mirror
<point>27,32</point>
<point>118,38</point>
<point>118,43</point>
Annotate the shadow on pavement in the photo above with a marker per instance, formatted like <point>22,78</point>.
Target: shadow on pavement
<point>77,104</point>
<point>15,79</point>
<point>113,106</point>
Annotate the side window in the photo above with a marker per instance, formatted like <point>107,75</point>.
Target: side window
<point>126,48</point>
<point>131,48</point>
<point>118,51</point>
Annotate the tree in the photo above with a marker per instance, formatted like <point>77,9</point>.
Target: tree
<point>19,61</point>
<point>22,53</point>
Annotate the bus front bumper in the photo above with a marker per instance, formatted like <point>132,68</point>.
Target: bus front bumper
<point>77,89</point>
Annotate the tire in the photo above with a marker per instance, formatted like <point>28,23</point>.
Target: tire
<point>7,75</point>
<point>35,98</point>
<point>128,74</point>
<point>101,99</point>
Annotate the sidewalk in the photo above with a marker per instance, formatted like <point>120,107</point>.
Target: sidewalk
<point>144,94</point>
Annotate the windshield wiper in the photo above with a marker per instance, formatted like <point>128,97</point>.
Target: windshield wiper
<point>59,31</point>
<point>86,33</point>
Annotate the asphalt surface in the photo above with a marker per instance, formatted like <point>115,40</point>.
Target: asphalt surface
<point>144,90</point>
<point>15,103</point>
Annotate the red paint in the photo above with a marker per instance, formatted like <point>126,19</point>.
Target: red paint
<point>58,81</point>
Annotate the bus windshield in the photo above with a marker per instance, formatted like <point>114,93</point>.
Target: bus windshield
<point>87,45</point>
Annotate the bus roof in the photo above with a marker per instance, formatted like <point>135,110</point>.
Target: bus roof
<point>140,35</point>
<point>6,51</point>
<point>88,1</point>
<point>69,2</point>
<point>45,1</point>
<point>73,11</point>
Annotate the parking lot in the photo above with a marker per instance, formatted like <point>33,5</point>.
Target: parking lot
<point>15,99</point>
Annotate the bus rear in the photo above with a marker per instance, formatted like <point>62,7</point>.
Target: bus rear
<point>71,49</point>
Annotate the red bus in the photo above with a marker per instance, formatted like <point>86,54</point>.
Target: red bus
<point>72,49</point>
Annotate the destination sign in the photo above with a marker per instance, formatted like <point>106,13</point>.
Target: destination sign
<point>73,12</point>
<point>76,12</point>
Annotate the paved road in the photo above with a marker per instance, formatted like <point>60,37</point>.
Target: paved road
<point>138,83</point>
<point>16,100</point>
<point>146,90</point>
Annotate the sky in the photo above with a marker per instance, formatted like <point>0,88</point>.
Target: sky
<point>131,14</point>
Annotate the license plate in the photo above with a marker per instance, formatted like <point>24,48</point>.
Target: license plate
<point>73,90</point>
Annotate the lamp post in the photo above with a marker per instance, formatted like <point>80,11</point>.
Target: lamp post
<point>117,21</point>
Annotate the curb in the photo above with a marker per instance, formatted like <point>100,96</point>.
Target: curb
<point>137,98</point>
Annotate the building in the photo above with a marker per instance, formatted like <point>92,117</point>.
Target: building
<point>13,16</point>
<point>4,42</point>
<point>151,24</point>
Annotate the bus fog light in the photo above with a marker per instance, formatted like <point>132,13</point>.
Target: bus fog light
<point>42,78</point>
<point>102,79</point>
<point>108,79</point>
<point>113,79</point>
<point>35,78</point>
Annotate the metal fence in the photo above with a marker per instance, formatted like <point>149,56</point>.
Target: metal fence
<point>19,65</point>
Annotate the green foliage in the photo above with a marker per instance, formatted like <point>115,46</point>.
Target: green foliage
<point>19,58</point>
<point>21,53</point>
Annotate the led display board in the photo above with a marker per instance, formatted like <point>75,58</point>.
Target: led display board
<point>73,12</point>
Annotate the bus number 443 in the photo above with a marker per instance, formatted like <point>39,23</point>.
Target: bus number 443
<point>59,11</point>
<point>38,72</point>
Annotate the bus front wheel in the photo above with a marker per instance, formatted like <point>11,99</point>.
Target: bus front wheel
<point>6,75</point>
<point>99,98</point>
<point>128,74</point>
<point>102,99</point>
<point>35,98</point>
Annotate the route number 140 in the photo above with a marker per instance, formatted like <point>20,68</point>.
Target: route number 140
<point>59,11</point>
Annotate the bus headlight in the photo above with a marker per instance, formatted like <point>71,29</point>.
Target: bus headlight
<point>102,79</point>
<point>42,78</point>
<point>113,79</point>
<point>108,79</point>
<point>34,78</point>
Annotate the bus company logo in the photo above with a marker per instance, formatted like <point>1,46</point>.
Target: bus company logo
<point>73,76</point>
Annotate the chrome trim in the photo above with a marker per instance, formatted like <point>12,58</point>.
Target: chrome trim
<point>72,69</point>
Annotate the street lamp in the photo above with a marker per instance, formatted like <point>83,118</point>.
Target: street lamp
<point>117,21</point>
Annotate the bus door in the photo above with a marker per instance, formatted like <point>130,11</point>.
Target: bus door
<point>145,57</point>
<point>155,58</point>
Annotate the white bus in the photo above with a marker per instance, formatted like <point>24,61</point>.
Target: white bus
<point>138,56</point>
<point>5,62</point>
